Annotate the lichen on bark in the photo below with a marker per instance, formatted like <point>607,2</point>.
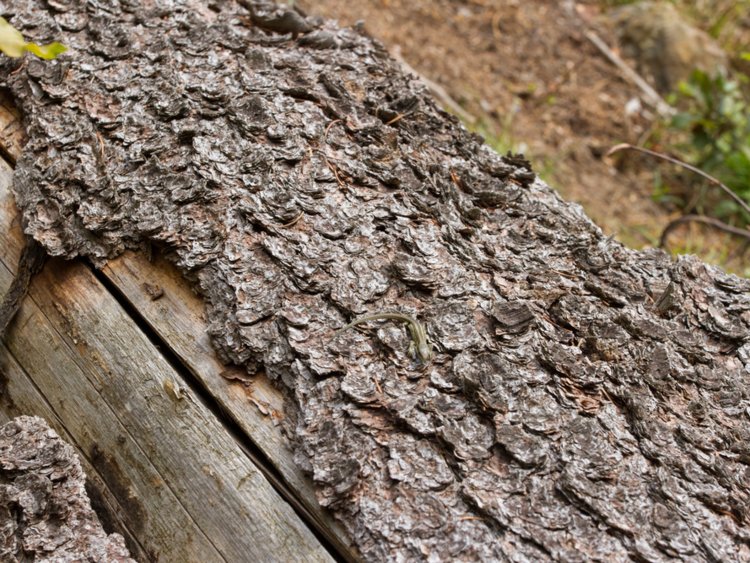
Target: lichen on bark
<point>586,401</point>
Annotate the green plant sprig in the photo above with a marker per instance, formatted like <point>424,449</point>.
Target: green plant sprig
<point>13,44</point>
<point>716,119</point>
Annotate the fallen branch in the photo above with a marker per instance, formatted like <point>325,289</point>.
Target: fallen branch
<point>650,95</point>
<point>710,221</point>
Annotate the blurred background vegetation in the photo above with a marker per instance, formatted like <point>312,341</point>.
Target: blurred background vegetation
<point>710,130</point>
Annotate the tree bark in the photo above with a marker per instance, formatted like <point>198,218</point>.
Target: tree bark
<point>44,509</point>
<point>586,401</point>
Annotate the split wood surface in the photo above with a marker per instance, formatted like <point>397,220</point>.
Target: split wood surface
<point>167,471</point>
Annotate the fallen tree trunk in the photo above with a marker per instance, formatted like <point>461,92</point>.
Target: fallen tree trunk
<point>584,402</point>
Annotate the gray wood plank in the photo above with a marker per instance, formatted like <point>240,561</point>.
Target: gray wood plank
<point>190,491</point>
<point>254,405</point>
<point>18,397</point>
<point>177,317</point>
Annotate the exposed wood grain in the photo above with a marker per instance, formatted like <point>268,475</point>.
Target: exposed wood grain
<point>189,492</point>
<point>177,317</point>
<point>19,396</point>
<point>255,405</point>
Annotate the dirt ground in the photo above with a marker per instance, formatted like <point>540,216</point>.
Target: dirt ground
<point>536,84</point>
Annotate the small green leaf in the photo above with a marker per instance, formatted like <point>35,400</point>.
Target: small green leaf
<point>11,40</point>
<point>49,51</point>
<point>12,44</point>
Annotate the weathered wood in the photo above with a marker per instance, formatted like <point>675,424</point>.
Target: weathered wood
<point>165,300</point>
<point>186,488</point>
<point>177,315</point>
<point>19,397</point>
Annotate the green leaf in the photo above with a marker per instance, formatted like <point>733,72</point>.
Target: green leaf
<point>683,120</point>
<point>13,44</point>
<point>11,40</point>
<point>49,51</point>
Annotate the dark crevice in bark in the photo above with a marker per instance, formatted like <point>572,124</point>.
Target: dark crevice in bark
<point>30,263</point>
<point>6,156</point>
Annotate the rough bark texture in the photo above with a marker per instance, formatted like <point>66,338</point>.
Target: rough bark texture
<point>586,401</point>
<point>45,513</point>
